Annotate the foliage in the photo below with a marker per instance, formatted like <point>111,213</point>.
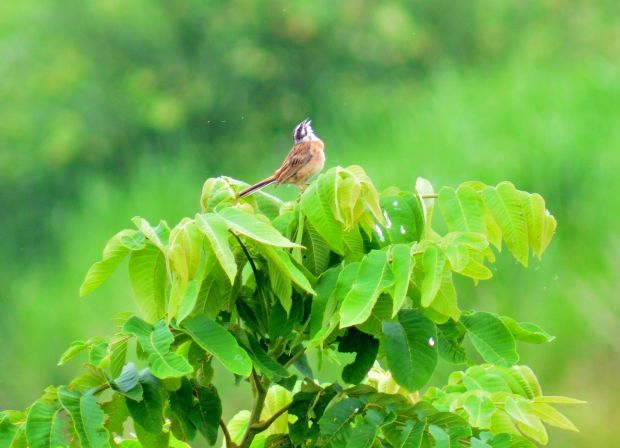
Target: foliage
<point>257,284</point>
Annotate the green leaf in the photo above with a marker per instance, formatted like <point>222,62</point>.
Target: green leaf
<point>252,227</point>
<point>220,343</point>
<point>117,413</point>
<point>281,260</point>
<point>450,342</point>
<point>156,341</point>
<point>209,411</point>
<point>433,263</point>
<point>480,410</point>
<point>147,414</point>
<point>411,349</point>
<point>444,305</point>
<point>527,331</point>
<point>401,262</point>
<point>147,271</point>
<point>552,416</point>
<point>424,190</point>
<point>491,338</point>
<point>408,435</point>
<point>316,206</point>
<point>11,434</point>
<point>365,347</point>
<point>372,278</point>
<point>366,430</point>
<point>264,362</point>
<point>43,427</point>
<point>556,399</point>
<point>522,381</point>
<point>216,231</point>
<point>335,424</point>
<point>86,416</point>
<point>74,349</point>
<point>128,383</point>
<point>403,215</point>
<point>461,209</point>
<point>113,254</point>
<point>324,303</point>
<point>316,255</point>
<point>505,204</point>
<point>540,224</point>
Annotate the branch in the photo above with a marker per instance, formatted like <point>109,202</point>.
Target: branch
<point>261,426</point>
<point>260,393</point>
<point>247,254</point>
<point>295,357</point>
<point>229,442</point>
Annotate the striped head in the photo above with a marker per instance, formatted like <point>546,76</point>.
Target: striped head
<point>303,132</point>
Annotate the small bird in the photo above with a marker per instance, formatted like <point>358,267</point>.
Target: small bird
<point>303,161</point>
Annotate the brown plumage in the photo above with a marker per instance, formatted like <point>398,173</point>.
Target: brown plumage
<point>305,159</point>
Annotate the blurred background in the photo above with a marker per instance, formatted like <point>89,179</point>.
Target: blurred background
<point>110,109</point>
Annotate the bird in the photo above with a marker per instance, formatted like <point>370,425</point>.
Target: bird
<point>305,159</point>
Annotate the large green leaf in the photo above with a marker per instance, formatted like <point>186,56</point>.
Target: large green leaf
<point>147,271</point>
<point>540,224</point>
<point>461,209</point>
<point>505,204</point>
<point>43,427</point>
<point>480,410</point>
<point>366,430</point>
<point>433,264</point>
<point>402,263</point>
<point>148,413</point>
<point>403,215</point>
<point>365,347</point>
<point>113,254</point>
<point>407,435</point>
<point>155,341</point>
<point>220,343</point>
<point>527,331</point>
<point>216,231</point>
<point>250,226</point>
<point>411,348</point>
<point>335,424</point>
<point>491,338</point>
<point>316,204</point>
<point>209,412</point>
<point>324,303</point>
<point>281,260</point>
<point>373,277</point>
<point>316,255</point>
<point>86,416</point>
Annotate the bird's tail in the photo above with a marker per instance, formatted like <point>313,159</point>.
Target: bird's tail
<point>263,183</point>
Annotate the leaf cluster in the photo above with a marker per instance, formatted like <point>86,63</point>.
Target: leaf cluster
<point>256,285</point>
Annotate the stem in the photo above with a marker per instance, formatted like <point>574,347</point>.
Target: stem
<point>229,443</point>
<point>260,393</point>
<point>247,255</point>
<point>295,357</point>
<point>261,426</point>
<point>429,196</point>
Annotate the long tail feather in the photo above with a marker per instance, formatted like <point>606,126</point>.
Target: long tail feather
<point>258,186</point>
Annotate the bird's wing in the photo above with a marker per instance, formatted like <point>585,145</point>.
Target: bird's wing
<point>299,156</point>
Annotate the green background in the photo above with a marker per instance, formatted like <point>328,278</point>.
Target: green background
<point>110,109</point>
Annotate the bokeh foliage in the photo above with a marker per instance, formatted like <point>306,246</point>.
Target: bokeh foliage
<point>102,100</point>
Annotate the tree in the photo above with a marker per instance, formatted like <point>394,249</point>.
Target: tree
<point>257,285</point>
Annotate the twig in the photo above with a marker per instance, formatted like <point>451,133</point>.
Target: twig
<point>229,442</point>
<point>261,426</point>
<point>295,357</point>
<point>247,255</point>
<point>429,196</point>
<point>260,393</point>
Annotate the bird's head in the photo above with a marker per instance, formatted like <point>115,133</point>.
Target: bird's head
<point>303,132</point>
